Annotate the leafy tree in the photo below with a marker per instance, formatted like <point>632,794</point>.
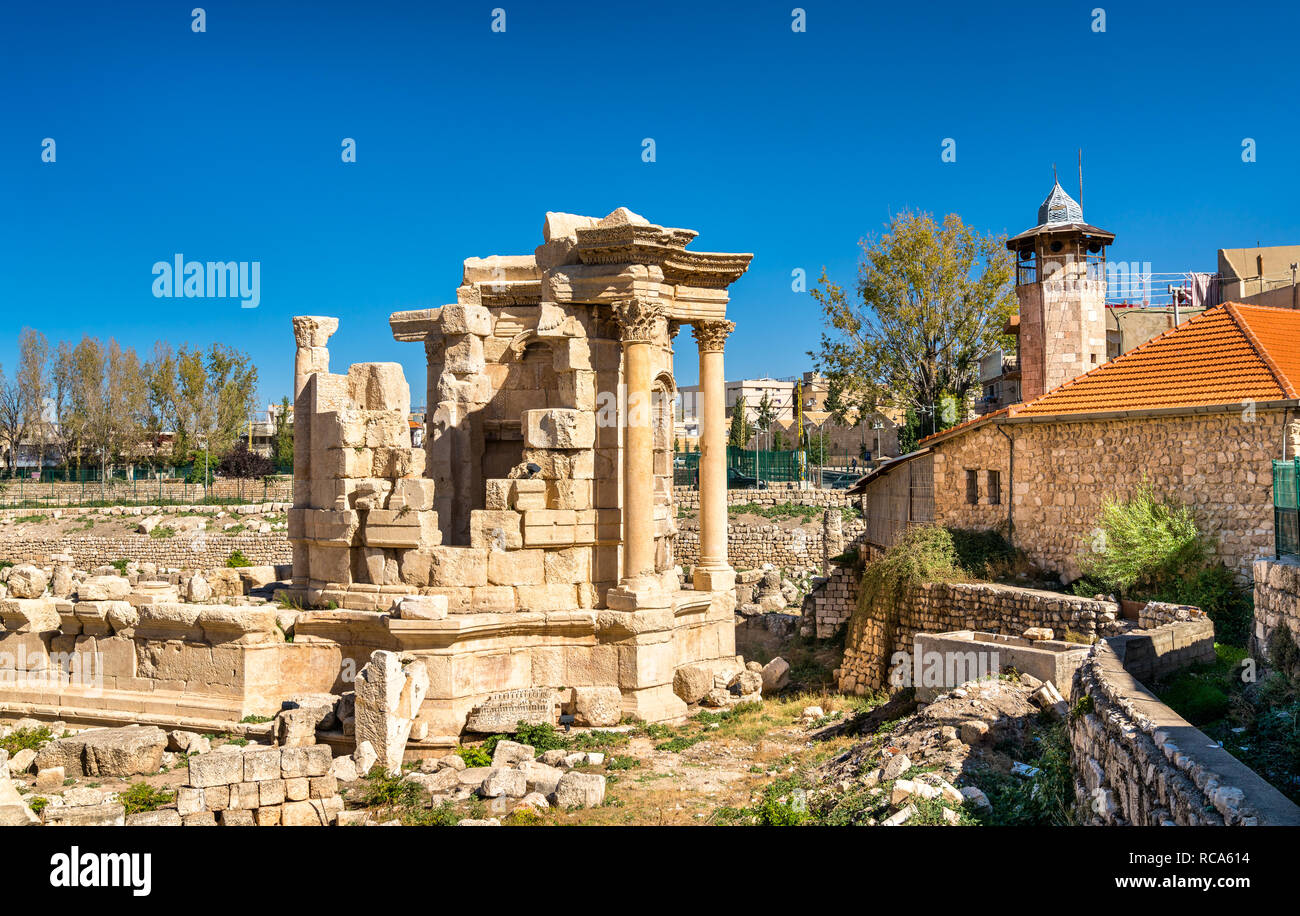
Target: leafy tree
<point>282,441</point>
<point>22,398</point>
<point>817,443</point>
<point>931,301</point>
<point>244,463</point>
<point>764,414</point>
<point>779,442</point>
<point>108,402</point>
<point>741,429</point>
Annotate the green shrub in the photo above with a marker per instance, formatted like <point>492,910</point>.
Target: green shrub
<point>980,552</point>
<point>1149,542</point>
<point>474,756</point>
<point>384,791</point>
<point>925,553</point>
<point>236,560</point>
<point>144,797</point>
<point>162,532</point>
<point>26,739</point>
<point>542,737</point>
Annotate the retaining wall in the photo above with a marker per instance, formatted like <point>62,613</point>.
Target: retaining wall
<point>1137,762</point>
<point>938,607</point>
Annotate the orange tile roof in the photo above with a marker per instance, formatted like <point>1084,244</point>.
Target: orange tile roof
<point>1228,354</point>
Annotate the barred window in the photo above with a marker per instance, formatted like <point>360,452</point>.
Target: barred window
<point>973,487</point>
<point>995,488</point>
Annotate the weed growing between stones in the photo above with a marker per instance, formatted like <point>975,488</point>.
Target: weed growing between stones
<point>144,797</point>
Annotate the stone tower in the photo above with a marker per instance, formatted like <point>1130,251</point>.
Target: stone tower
<point>1061,285</point>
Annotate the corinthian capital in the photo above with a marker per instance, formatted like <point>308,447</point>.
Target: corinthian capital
<point>641,319</point>
<point>711,335</point>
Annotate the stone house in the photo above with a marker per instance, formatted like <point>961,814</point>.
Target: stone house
<point>1199,412</point>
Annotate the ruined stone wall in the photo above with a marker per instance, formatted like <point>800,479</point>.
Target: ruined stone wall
<point>1277,602</point>
<point>182,551</point>
<point>1136,762</point>
<point>143,492</point>
<point>1219,464</point>
<point>776,495</point>
<point>752,546</point>
<point>266,787</point>
<point>938,607</point>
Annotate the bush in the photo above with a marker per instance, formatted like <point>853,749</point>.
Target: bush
<point>25,739</point>
<point>144,797</point>
<point>245,464</point>
<point>237,560</point>
<point>474,756</point>
<point>1152,549</point>
<point>981,553</point>
<point>1149,543</point>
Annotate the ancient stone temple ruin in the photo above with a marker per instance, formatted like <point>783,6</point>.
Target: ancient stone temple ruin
<point>527,547</point>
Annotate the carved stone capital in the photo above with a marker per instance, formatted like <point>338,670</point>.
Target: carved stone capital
<point>313,330</point>
<point>641,320</point>
<point>711,335</point>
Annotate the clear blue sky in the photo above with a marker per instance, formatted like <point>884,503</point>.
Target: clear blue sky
<point>226,146</point>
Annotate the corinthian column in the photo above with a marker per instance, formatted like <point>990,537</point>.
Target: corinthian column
<point>713,571</point>
<point>642,323</point>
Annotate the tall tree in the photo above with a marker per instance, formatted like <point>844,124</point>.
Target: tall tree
<point>62,371</point>
<point>22,397</point>
<point>283,436</point>
<point>764,414</point>
<point>741,428</point>
<point>931,301</point>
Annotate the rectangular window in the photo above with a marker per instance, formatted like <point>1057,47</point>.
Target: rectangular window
<point>973,487</point>
<point>995,488</point>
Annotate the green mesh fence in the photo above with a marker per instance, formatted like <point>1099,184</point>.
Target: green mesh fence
<point>1286,507</point>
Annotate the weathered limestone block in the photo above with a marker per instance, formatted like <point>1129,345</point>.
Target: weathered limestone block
<point>465,566</point>
<point>580,790</point>
<point>218,768</point>
<point>421,607</point>
<point>692,682</point>
<point>109,814</point>
<point>412,493</point>
<point>30,615</point>
<point>379,386</point>
<point>388,698</point>
<point>459,319</point>
<point>397,462</point>
<point>104,588</point>
<point>496,529</point>
<point>26,581</point>
<point>597,706</point>
<point>558,427</point>
<point>134,750</point>
<point>13,808</point>
<point>515,567</point>
<point>401,528</point>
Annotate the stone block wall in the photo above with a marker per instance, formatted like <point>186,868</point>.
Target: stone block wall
<point>751,546</point>
<point>938,607</point>
<point>262,787</point>
<point>1219,464</point>
<point>1277,602</point>
<point>1136,762</point>
<point>775,495</point>
<point>200,666</point>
